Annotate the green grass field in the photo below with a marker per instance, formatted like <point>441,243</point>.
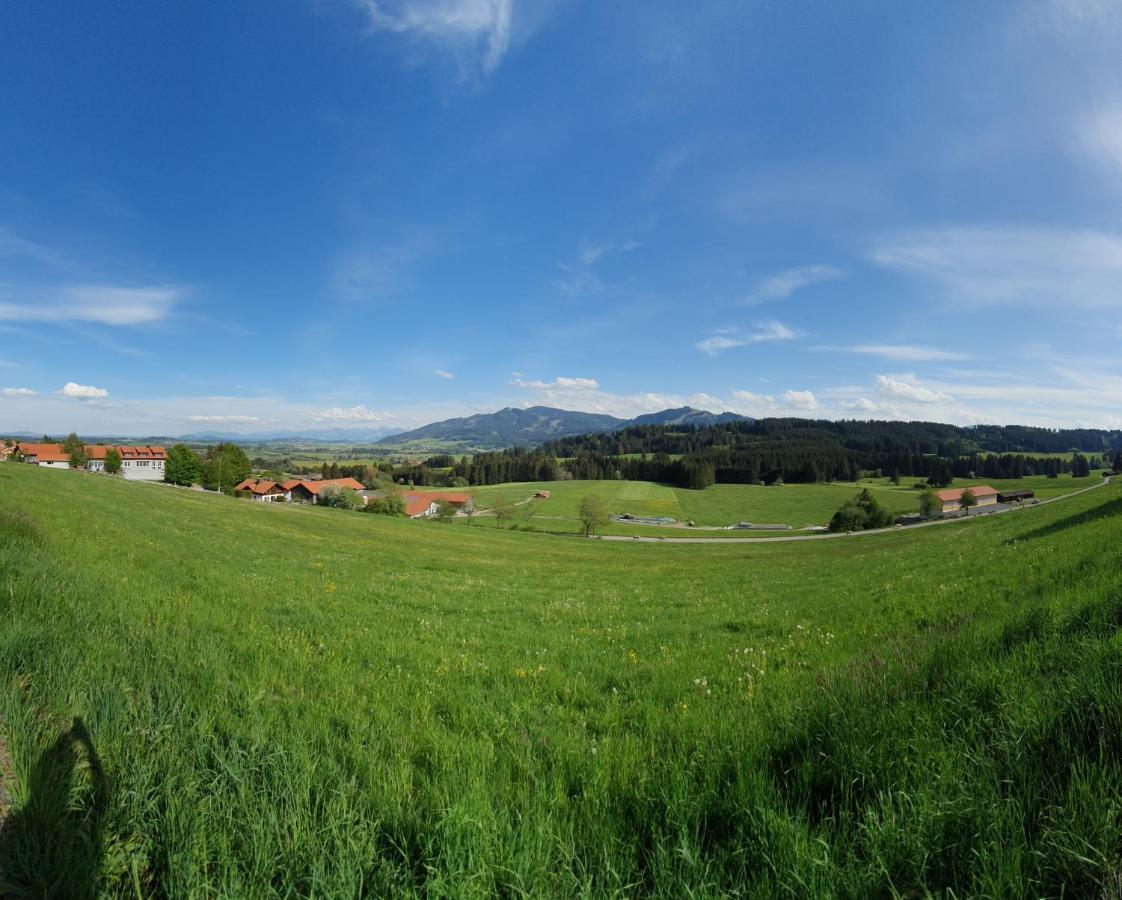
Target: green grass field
<point>798,505</point>
<point>207,697</point>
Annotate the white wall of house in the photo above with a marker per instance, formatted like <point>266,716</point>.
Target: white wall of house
<point>95,465</point>
<point>53,465</point>
<point>142,469</point>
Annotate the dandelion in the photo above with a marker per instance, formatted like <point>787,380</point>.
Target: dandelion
<point>632,657</point>
<point>329,587</point>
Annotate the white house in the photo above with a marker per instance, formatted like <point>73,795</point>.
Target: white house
<point>142,463</point>
<point>50,456</point>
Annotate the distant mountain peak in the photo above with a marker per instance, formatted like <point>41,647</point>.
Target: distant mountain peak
<point>512,426</point>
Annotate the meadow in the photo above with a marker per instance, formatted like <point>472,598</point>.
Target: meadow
<point>797,505</point>
<point>207,697</point>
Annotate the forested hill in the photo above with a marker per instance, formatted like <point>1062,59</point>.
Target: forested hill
<point>918,437</point>
<point>799,450</point>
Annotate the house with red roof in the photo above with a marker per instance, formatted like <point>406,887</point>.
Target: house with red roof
<point>309,491</point>
<point>262,489</point>
<point>951,498</point>
<point>49,456</point>
<point>137,463</point>
<point>426,505</point>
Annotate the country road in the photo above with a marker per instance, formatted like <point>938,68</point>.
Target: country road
<point>841,535</point>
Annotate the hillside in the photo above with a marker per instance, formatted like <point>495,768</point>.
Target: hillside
<point>276,710</point>
<point>513,427</point>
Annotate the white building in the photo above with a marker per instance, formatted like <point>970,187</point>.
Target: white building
<point>50,456</point>
<point>142,463</point>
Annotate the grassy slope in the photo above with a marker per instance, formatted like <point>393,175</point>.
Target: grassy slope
<point>725,504</point>
<point>292,700</point>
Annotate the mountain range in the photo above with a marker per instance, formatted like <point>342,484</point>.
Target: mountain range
<point>512,427</point>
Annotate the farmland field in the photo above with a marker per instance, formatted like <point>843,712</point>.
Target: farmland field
<point>208,697</point>
<point>797,505</point>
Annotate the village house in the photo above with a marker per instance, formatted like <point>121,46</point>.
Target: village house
<point>308,491</point>
<point>951,498</point>
<point>425,506</point>
<point>263,490</point>
<point>49,456</point>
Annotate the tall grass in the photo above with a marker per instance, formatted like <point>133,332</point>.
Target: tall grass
<point>207,698</point>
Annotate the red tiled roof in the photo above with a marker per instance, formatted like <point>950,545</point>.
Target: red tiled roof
<point>95,451</point>
<point>142,452</point>
<point>290,484</point>
<point>45,452</point>
<point>259,486</point>
<point>979,491</point>
<point>415,504</point>
<point>316,486</point>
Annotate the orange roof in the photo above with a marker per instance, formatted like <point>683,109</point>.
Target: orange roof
<point>142,452</point>
<point>45,452</point>
<point>415,504</point>
<point>95,451</point>
<point>316,486</point>
<point>256,485</point>
<point>979,491</point>
<point>290,484</point>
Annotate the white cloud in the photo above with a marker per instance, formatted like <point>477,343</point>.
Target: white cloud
<point>766,332</point>
<point>370,269</point>
<point>908,390</point>
<point>1047,268</point>
<point>227,419</point>
<point>578,280</point>
<point>563,384</point>
<point>476,26</point>
<point>102,304</point>
<point>590,253</point>
<point>908,353</point>
<point>1101,136</point>
<point>350,414</point>
<point>18,392</point>
<point>441,373</point>
<point>83,391</point>
<point>784,284</point>
<point>801,400</point>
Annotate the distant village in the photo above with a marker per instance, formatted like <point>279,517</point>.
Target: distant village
<point>149,463</point>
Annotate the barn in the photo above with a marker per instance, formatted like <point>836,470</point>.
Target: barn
<point>951,498</point>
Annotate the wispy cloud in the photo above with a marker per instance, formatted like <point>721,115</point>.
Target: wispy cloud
<point>578,280</point>
<point>225,420</point>
<point>12,244</point>
<point>1101,136</point>
<point>478,27</point>
<point>727,340</point>
<point>590,253</point>
<point>441,373</point>
<point>102,304</point>
<point>342,415</point>
<point>371,270</point>
<point>83,391</point>
<point>1047,268</point>
<point>907,352</point>
<point>784,284</point>
<point>18,392</point>
<point>901,389</point>
<point>561,383</point>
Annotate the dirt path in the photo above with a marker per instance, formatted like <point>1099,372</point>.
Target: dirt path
<point>841,535</point>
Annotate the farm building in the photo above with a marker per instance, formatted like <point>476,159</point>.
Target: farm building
<point>1014,496</point>
<point>308,491</point>
<point>50,456</point>
<point>424,506</point>
<point>951,498</point>
<point>263,490</point>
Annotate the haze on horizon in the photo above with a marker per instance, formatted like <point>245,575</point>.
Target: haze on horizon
<point>380,213</point>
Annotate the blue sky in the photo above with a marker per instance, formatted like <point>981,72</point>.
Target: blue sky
<point>372,213</point>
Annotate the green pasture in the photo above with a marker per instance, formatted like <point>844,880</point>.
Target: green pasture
<point>207,697</point>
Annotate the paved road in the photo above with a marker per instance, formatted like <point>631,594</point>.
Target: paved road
<point>840,535</point>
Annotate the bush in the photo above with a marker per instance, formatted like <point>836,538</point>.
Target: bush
<point>340,498</point>
<point>860,514</point>
<point>390,504</point>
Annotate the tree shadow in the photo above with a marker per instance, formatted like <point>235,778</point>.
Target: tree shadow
<point>1102,511</point>
<point>52,845</point>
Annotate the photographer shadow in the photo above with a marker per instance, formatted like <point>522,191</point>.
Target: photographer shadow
<point>52,845</point>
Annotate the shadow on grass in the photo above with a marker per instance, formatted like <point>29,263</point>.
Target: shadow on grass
<point>52,845</point>
<point>1102,511</point>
